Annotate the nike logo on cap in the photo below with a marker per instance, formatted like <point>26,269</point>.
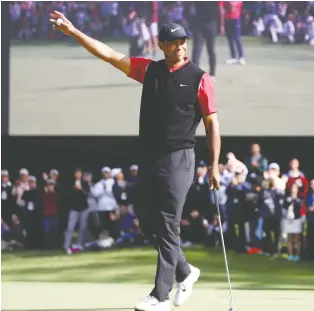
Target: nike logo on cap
<point>183,84</point>
<point>172,30</point>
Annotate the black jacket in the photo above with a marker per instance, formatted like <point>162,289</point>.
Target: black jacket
<point>78,198</point>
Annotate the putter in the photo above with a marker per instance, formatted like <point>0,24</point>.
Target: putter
<point>224,250</point>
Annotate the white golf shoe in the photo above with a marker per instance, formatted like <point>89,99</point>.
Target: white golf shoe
<point>242,61</point>
<point>231,61</point>
<point>151,303</point>
<point>184,289</point>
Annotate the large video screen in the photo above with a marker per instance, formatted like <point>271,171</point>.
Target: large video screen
<point>58,88</point>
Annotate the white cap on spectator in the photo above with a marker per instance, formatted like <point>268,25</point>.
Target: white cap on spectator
<point>4,173</point>
<point>106,169</point>
<point>54,172</point>
<point>115,172</point>
<point>24,171</point>
<point>133,167</point>
<point>32,178</point>
<point>274,166</point>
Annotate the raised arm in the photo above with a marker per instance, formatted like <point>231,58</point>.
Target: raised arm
<point>95,47</point>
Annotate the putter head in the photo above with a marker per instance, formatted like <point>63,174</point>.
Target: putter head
<point>231,309</point>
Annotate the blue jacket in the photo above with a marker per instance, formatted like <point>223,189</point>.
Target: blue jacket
<point>236,204</point>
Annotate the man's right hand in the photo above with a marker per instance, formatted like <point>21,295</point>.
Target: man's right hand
<point>66,26</point>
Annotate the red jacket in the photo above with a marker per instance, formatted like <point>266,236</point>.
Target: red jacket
<point>232,8</point>
<point>302,190</point>
<point>51,203</point>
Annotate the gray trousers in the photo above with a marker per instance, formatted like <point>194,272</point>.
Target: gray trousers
<point>163,185</point>
<point>74,218</point>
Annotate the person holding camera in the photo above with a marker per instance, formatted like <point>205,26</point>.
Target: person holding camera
<point>293,222</point>
<point>270,213</point>
<point>51,212</point>
<point>78,210</point>
<point>236,209</point>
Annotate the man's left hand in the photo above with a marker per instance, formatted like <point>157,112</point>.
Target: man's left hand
<point>214,178</point>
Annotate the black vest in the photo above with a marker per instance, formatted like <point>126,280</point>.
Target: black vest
<point>170,111</point>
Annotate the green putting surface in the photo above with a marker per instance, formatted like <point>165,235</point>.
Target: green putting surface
<point>60,89</point>
<point>109,297</point>
<point>138,266</point>
<point>116,280</point>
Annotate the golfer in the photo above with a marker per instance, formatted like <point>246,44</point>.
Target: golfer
<point>176,96</point>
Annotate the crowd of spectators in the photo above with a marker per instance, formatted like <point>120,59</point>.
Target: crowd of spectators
<point>289,21</point>
<point>263,210</point>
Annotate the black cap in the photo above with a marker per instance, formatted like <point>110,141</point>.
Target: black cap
<point>172,32</point>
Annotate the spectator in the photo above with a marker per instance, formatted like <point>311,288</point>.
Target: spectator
<point>7,208</point>
<point>54,174</point>
<point>230,19</point>
<point>252,214</point>
<point>236,209</point>
<point>256,165</point>
<point>31,214</point>
<point>14,235</point>
<point>273,174</point>
<point>132,182</point>
<point>270,212</point>
<point>192,229</point>
<point>107,204</point>
<point>4,232</point>
<point>132,31</point>
<point>153,24</point>
<point>258,27</point>
<point>275,28</point>
<point>310,222</point>
<point>103,241</point>
<point>293,223</point>
<point>133,171</point>
<point>120,189</point>
<point>93,218</point>
<point>295,176</point>
<point>20,186</point>
<point>225,181</point>
<point>78,211</point>
<point>294,169</point>
<point>289,29</point>
<point>309,35</point>
<point>128,226</point>
<point>233,164</point>
<point>51,210</point>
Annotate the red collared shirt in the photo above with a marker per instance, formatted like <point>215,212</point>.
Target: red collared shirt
<point>206,93</point>
<point>232,9</point>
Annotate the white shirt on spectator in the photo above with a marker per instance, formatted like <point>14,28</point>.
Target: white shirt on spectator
<point>102,191</point>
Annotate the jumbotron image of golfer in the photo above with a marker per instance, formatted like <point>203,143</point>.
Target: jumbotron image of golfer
<point>176,96</point>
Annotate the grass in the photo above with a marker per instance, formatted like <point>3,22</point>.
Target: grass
<point>138,265</point>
